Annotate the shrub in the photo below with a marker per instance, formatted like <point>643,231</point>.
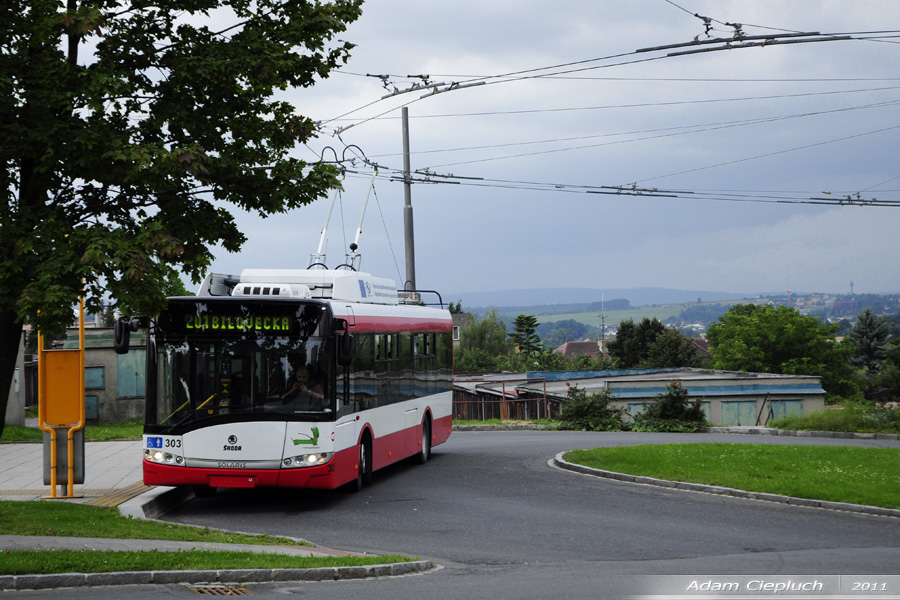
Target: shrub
<point>673,405</point>
<point>590,412</point>
<point>866,417</point>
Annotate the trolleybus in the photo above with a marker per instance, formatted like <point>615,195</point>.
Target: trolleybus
<point>292,378</point>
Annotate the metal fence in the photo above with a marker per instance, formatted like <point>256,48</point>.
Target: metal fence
<point>503,400</point>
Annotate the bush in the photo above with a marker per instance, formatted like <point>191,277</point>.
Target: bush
<point>673,405</point>
<point>863,417</point>
<point>590,412</point>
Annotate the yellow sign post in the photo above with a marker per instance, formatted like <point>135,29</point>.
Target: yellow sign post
<point>61,409</point>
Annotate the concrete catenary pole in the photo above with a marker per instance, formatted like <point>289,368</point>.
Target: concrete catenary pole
<point>409,242</point>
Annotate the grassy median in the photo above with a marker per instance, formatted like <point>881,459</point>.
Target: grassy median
<point>858,475</point>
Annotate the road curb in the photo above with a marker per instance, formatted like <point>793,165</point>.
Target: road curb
<point>221,577</point>
<point>845,435</point>
<point>560,462</point>
<point>509,427</point>
<point>155,502</point>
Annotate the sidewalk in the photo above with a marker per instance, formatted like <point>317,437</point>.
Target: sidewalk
<point>112,473</point>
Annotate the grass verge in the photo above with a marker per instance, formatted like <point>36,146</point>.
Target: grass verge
<point>863,417</point>
<point>834,473</point>
<point>76,520</point>
<point>505,422</point>
<point>37,562</point>
<point>129,430</point>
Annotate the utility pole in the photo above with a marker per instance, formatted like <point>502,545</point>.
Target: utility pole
<point>409,243</point>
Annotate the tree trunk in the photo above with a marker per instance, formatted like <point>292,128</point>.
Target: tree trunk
<point>10,341</point>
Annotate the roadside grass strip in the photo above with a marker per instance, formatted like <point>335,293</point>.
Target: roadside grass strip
<point>78,520</point>
<point>129,430</point>
<point>855,475</point>
<point>41,562</point>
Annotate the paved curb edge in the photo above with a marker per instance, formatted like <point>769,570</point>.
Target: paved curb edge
<point>560,462</point>
<point>845,435</point>
<point>220,576</point>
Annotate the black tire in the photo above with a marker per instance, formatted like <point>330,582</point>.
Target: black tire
<point>367,471</point>
<point>363,468</point>
<point>425,451</point>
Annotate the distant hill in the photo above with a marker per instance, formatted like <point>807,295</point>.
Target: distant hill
<point>644,296</point>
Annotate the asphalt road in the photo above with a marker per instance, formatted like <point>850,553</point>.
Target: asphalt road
<point>502,523</point>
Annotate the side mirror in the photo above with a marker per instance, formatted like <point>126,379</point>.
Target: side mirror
<point>122,332</point>
<point>344,343</point>
<point>345,349</point>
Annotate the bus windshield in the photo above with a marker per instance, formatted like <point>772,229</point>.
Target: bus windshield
<point>224,361</point>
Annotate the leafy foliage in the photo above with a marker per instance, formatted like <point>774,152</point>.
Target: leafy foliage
<point>590,412</point>
<point>556,333</point>
<point>650,345</point>
<point>866,417</point>
<point>118,163</point>
<point>769,339</point>
<point>672,411</point>
<point>485,346</point>
<point>699,313</point>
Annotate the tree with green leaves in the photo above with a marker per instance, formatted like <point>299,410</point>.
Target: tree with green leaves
<point>870,337</point>
<point>525,336</point>
<point>769,339</point>
<point>650,345</point>
<point>632,343</point>
<point>669,350</point>
<point>481,343</point>
<point>126,129</point>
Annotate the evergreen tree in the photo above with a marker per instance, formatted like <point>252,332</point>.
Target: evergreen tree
<point>870,336</point>
<point>525,335</point>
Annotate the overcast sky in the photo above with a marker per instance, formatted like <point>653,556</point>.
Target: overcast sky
<point>734,141</point>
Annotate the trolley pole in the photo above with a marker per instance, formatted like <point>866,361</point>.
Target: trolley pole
<point>409,243</point>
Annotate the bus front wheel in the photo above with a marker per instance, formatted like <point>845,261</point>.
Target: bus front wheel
<point>425,451</point>
<point>363,468</point>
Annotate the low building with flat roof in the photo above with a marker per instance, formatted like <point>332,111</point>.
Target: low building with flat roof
<point>729,398</point>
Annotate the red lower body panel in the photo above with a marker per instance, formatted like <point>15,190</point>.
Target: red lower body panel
<point>342,468</point>
<point>323,477</point>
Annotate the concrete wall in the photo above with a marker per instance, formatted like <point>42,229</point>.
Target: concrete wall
<point>733,402</point>
<point>99,354</point>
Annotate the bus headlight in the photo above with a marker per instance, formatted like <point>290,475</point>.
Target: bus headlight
<point>158,456</point>
<point>308,460</point>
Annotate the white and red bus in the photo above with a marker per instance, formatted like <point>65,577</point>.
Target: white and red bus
<point>292,378</point>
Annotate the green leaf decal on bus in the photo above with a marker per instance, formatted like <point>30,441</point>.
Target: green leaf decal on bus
<point>312,441</point>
